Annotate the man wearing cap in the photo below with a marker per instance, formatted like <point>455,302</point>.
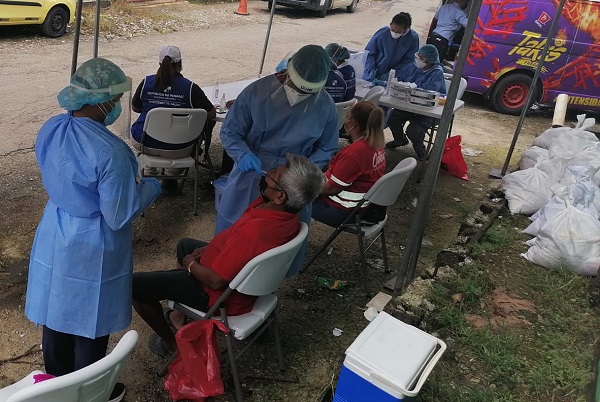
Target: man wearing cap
<point>81,264</point>
<point>278,114</point>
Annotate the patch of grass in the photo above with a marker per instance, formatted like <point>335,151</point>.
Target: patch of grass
<point>118,17</point>
<point>551,359</point>
<point>496,238</point>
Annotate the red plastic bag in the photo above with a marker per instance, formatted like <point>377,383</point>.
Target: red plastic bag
<point>453,160</point>
<point>196,371</point>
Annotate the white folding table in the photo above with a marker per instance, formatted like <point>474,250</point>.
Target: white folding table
<point>231,91</point>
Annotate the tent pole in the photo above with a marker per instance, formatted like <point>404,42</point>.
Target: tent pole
<point>76,36</point>
<point>500,174</point>
<point>406,272</point>
<point>264,53</point>
<point>97,29</point>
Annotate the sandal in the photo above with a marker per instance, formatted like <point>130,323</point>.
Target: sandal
<point>157,346</point>
<point>174,328</point>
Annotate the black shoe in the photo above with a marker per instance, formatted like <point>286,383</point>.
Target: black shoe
<point>117,393</point>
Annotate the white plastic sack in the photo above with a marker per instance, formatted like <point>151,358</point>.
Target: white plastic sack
<point>554,207</point>
<point>570,240</point>
<point>530,157</point>
<point>550,136</point>
<point>527,191</point>
<point>571,144</point>
<point>583,123</point>
<point>586,163</point>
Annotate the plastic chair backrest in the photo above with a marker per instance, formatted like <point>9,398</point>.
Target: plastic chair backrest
<point>264,273</point>
<point>173,125</point>
<point>373,95</point>
<point>93,383</point>
<point>386,190</point>
<point>461,87</point>
<point>342,110</point>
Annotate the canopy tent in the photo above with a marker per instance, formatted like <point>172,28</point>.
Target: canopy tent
<point>407,268</point>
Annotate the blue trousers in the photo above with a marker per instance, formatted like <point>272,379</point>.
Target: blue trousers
<point>65,353</point>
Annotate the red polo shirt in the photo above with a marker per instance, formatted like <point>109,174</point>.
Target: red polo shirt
<point>257,231</point>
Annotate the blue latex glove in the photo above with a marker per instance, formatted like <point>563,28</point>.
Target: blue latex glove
<point>380,83</point>
<point>250,162</point>
<point>371,75</point>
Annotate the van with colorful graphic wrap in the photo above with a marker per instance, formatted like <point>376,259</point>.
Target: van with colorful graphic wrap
<point>507,45</point>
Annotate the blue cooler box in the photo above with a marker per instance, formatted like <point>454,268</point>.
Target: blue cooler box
<point>219,185</point>
<point>389,361</point>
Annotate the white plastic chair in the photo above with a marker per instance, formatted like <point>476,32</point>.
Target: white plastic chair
<point>173,126</point>
<point>260,277</point>
<point>93,383</point>
<point>342,110</point>
<point>383,193</point>
<point>461,87</point>
<point>373,95</point>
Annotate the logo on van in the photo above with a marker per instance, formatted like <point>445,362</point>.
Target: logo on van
<point>530,49</point>
<point>543,19</point>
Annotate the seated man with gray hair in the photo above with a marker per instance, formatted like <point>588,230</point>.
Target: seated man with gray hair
<point>205,270</point>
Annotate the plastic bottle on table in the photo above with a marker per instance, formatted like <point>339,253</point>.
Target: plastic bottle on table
<point>222,104</point>
<point>391,77</point>
<point>216,91</point>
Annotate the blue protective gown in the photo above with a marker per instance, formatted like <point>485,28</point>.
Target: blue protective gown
<point>262,122</point>
<point>432,79</point>
<point>386,53</point>
<point>81,261</point>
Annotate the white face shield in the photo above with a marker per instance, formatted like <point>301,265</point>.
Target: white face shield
<point>118,122</point>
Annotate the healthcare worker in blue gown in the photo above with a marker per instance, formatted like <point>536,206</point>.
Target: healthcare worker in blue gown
<point>81,264</point>
<point>391,47</point>
<point>286,112</point>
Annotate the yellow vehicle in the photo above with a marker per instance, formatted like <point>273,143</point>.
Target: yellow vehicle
<point>51,15</point>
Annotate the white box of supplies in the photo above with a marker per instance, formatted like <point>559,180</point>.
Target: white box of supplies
<point>389,361</point>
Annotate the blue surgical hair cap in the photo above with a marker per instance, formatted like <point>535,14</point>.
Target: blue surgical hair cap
<point>95,81</point>
<point>430,53</point>
<point>337,52</point>
<point>311,63</point>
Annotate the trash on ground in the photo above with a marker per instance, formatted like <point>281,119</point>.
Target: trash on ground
<point>333,284</point>
<point>379,301</point>
<point>337,332</point>
<point>471,152</point>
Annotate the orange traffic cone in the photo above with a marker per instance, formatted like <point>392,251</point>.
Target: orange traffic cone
<point>242,8</point>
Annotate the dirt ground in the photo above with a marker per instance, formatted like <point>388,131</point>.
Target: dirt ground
<point>35,69</point>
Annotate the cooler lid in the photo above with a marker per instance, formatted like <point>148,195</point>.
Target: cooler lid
<point>393,350</point>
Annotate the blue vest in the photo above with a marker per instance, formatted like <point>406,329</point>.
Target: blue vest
<point>349,75</point>
<point>336,86</point>
<point>177,95</point>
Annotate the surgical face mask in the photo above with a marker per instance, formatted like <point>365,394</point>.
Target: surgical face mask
<point>262,185</point>
<point>419,63</point>
<point>348,128</point>
<point>294,97</point>
<point>113,115</point>
<point>396,35</point>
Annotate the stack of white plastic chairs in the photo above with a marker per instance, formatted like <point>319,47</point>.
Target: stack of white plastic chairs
<point>558,185</point>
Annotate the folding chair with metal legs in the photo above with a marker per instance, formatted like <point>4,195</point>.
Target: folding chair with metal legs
<point>384,193</point>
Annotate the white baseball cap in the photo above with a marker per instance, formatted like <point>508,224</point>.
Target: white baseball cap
<point>172,51</point>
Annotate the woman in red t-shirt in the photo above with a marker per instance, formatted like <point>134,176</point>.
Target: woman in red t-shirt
<point>355,168</point>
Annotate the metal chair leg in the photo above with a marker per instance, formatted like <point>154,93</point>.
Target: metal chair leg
<point>327,242</point>
<point>363,265</point>
<point>232,362</point>
<point>277,337</point>
<point>386,265</point>
<point>196,188</point>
